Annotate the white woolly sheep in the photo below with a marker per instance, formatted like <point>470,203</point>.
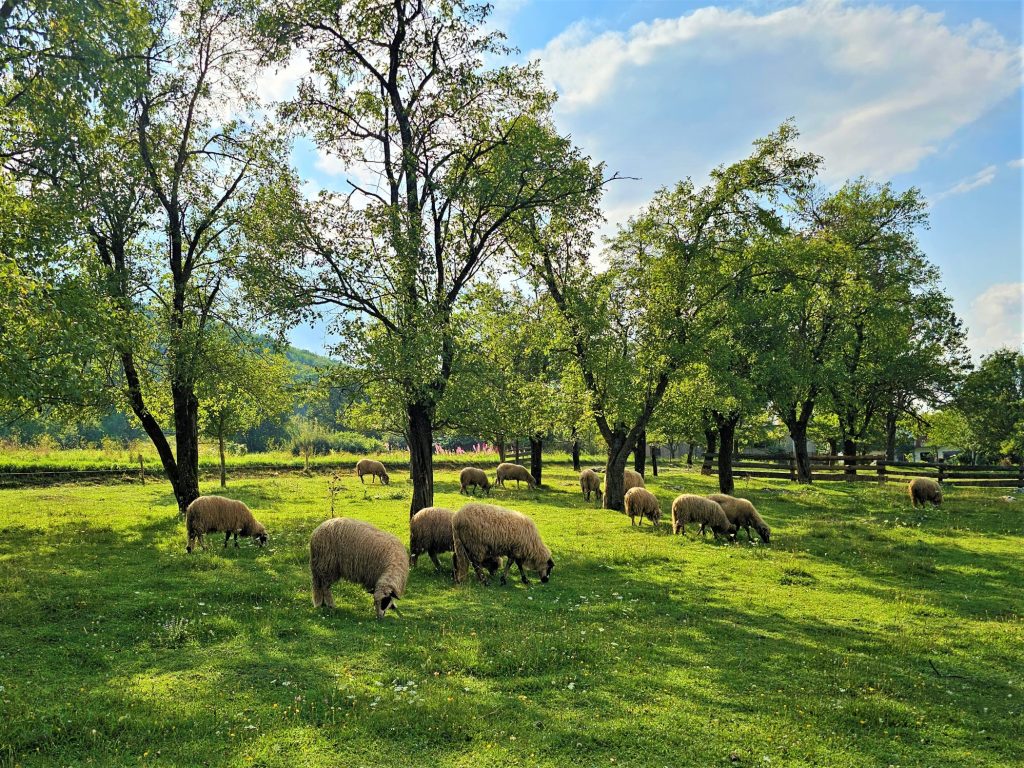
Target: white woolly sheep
<point>343,548</point>
<point>590,482</point>
<point>483,531</point>
<point>639,502</point>
<point>742,514</point>
<point>517,472</point>
<point>216,514</point>
<point>924,489</point>
<point>631,479</point>
<point>430,531</point>
<point>471,476</point>
<point>373,468</point>
<point>690,508</point>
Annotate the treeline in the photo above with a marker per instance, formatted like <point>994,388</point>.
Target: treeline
<point>152,224</point>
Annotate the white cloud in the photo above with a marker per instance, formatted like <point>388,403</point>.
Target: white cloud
<point>996,318</point>
<point>329,163</point>
<point>982,178</point>
<point>875,89</point>
<point>1016,163</point>
<point>279,82</point>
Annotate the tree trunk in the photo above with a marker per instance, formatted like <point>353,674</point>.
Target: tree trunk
<point>575,454</point>
<point>711,443</point>
<point>614,485</point>
<point>849,458</point>
<point>536,458</point>
<point>515,448</point>
<point>499,443</point>
<point>726,439</point>
<point>798,433</point>
<point>655,452</point>
<point>890,435</point>
<point>186,438</point>
<point>421,455</point>
<point>671,448</point>
<point>689,454</point>
<point>223,473</point>
<point>833,448</point>
<point>640,453</point>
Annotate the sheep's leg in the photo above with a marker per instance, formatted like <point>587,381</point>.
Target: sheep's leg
<point>479,573</point>
<point>504,574</point>
<point>434,560</point>
<point>236,539</point>
<point>361,481</point>
<point>227,536</point>
<point>522,573</point>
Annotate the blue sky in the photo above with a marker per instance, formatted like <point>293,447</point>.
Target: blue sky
<point>922,94</point>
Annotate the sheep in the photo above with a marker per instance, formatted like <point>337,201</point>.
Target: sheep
<point>631,479</point>
<point>475,477</point>
<point>640,502</point>
<point>742,514</point>
<point>689,507</point>
<point>923,490</point>
<point>483,531</point>
<point>590,482</point>
<point>343,548</point>
<point>373,468</point>
<point>213,514</point>
<point>517,472</point>
<point>430,531</point>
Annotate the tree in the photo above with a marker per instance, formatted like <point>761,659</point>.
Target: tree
<point>450,151</point>
<point>242,384</point>
<point>992,401</point>
<point>159,177</point>
<point>633,327</point>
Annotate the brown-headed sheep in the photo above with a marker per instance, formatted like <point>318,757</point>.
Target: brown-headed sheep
<point>742,514</point>
<point>517,472</point>
<point>373,468</point>
<point>924,489</point>
<point>471,476</point>
<point>631,479</point>
<point>639,502</point>
<point>690,508</point>
<point>430,531</point>
<point>342,548</point>
<point>590,483</point>
<point>216,514</point>
<point>483,531</point>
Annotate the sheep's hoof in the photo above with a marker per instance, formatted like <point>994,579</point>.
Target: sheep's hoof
<point>504,581</point>
<point>525,581</point>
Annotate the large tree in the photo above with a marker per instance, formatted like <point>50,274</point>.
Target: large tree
<point>672,269</point>
<point>443,151</point>
<point>992,402</point>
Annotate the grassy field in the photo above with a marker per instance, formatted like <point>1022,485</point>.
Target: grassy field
<point>866,634</point>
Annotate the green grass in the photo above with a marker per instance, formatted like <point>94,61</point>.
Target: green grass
<point>866,634</point>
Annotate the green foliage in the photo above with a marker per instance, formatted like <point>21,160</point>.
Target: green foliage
<point>867,633</point>
<point>992,402</point>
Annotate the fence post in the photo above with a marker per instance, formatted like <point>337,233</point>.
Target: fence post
<point>881,471</point>
<point>142,470</point>
<point>942,468</point>
<point>1020,476</point>
<point>792,469</point>
<point>655,452</point>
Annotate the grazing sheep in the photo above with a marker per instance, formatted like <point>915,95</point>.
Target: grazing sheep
<point>475,477</point>
<point>517,472</point>
<point>342,548</point>
<point>483,531</point>
<point>742,514</point>
<point>373,468</point>
<point>590,482</point>
<point>214,514</point>
<point>642,503</point>
<point>631,479</point>
<point>430,531</point>
<point>690,508</point>
<point>923,490</point>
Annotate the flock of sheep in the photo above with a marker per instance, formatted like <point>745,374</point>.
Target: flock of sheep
<point>478,534</point>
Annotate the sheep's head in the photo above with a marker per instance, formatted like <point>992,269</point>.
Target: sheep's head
<point>383,599</point>
<point>260,535</point>
<point>544,569</point>
<point>385,479</point>
<point>764,532</point>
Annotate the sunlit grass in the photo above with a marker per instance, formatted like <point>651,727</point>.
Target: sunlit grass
<point>866,634</point>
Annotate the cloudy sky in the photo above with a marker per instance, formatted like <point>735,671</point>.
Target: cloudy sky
<point>925,94</point>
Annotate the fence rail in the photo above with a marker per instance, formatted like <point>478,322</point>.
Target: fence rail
<point>875,468</point>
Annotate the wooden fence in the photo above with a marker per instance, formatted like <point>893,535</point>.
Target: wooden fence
<point>875,468</point>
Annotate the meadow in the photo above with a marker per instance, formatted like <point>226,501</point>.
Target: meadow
<point>866,634</point>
